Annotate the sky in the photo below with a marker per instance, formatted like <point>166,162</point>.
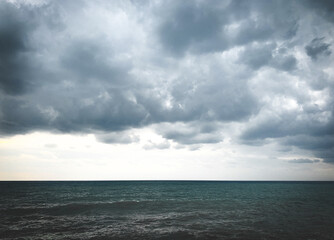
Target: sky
<point>172,90</point>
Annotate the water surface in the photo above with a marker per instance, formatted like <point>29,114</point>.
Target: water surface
<point>167,210</point>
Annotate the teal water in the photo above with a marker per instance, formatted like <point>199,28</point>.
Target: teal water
<point>167,210</point>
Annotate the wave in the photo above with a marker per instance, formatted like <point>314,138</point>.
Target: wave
<point>75,208</point>
<point>98,207</point>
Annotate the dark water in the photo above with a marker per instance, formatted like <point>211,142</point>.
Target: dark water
<point>167,210</point>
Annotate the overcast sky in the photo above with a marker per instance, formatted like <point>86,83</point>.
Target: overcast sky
<point>222,90</point>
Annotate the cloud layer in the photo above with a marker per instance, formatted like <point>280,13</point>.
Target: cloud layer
<point>197,72</point>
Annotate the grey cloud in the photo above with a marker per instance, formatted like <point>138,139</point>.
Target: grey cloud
<point>189,134</point>
<point>185,24</point>
<point>273,127</point>
<point>208,94</point>
<point>307,127</point>
<point>317,47</point>
<point>309,134</point>
<point>125,137</point>
<point>202,27</point>
<point>327,155</point>
<point>89,68</point>
<point>83,89</point>
<point>67,113</point>
<point>303,160</point>
<point>254,142</point>
<point>285,63</point>
<point>194,147</point>
<point>318,143</point>
<point>161,146</point>
<point>257,56</point>
<point>92,59</point>
<point>190,67</point>
<point>292,130</point>
<point>50,145</point>
<point>74,109</point>
<point>323,8</point>
<point>322,146</point>
<point>191,138</point>
<point>218,97</point>
<point>307,117</point>
<point>319,81</point>
<point>14,66</point>
<point>260,55</point>
<point>20,116</point>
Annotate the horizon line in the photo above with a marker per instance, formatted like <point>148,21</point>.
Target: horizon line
<point>163,180</point>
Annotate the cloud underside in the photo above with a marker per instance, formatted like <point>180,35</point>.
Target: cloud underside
<point>303,160</point>
<point>189,69</point>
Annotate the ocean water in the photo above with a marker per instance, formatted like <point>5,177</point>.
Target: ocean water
<point>167,210</point>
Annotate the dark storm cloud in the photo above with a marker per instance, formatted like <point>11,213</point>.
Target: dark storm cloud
<point>185,24</point>
<point>292,127</point>
<point>323,8</point>
<point>91,59</point>
<point>280,126</point>
<point>14,66</point>
<point>201,27</point>
<point>327,156</point>
<point>305,131</point>
<point>84,89</point>
<point>180,67</point>
<point>321,146</point>
<point>63,110</point>
<point>20,116</point>
<point>311,142</point>
<point>317,47</point>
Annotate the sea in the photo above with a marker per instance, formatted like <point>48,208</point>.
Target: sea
<point>166,210</point>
